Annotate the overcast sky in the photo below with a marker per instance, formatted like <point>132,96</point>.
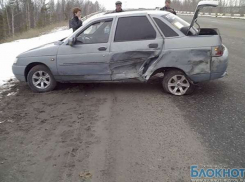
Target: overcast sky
<point>110,4</point>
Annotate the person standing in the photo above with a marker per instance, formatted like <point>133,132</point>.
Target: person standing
<point>118,7</point>
<point>76,21</point>
<point>167,7</point>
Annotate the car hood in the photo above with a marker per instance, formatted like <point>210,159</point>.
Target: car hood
<point>44,50</point>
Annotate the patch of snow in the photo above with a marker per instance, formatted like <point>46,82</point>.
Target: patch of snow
<point>6,86</point>
<point>9,51</point>
<point>59,29</point>
<point>11,93</point>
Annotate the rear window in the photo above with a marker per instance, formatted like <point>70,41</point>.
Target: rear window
<point>166,30</point>
<point>175,21</point>
<point>133,29</point>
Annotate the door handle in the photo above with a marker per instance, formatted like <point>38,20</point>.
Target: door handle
<point>102,49</point>
<point>153,45</point>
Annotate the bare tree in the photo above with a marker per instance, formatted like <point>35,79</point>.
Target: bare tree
<point>17,16</point>
<point>12,7</point>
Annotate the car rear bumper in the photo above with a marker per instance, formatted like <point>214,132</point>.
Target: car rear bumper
<point>19,72</point>
<point>219,65</point>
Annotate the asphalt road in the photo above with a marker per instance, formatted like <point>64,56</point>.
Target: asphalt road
<point>126,132</point>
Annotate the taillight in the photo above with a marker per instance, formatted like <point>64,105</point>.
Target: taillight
<point>217,51</point>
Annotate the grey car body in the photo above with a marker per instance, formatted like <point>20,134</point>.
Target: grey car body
<point>71,60</point>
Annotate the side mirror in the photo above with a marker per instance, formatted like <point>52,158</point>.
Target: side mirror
<point>71,41</point>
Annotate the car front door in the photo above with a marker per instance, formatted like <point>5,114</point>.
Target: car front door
<point>88,58</point>
<point>136,43</point>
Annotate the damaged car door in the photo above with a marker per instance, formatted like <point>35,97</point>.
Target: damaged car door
<point>136,43</point>
<point>87,57</point>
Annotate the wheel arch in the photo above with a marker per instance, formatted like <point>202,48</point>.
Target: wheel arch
<point>166,69</point>
<point>30,66</point>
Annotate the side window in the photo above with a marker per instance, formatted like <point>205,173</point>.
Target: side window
<point>98,32</point>
<point>134,28</point>
<point>166,30</point>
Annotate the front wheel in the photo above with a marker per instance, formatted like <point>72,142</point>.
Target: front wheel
<point>176,83</point>
<point>40,79</point>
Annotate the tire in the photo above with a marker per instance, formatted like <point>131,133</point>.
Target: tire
<point>40,79</point>
<point>177,83</point>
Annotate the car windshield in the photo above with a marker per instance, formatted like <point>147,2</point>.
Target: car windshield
<point>178,22</point>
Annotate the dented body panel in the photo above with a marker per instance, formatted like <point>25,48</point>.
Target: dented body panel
<point>192,61</point>
<point>130,64</point>
<point>194,57</point>
<point>137,60</point>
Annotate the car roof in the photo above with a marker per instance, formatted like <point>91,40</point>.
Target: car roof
<point>126,13</point>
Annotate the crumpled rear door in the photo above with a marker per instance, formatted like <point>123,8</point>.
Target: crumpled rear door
<point>136,43</point>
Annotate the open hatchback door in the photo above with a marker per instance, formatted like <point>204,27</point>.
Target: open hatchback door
<point>201,5</point>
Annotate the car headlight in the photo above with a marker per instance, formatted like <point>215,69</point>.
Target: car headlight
<point>15,61</point>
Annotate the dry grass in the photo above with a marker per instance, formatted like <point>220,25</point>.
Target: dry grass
<point>35,32</point>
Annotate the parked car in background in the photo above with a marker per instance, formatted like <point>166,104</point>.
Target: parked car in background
<point>129,46</point>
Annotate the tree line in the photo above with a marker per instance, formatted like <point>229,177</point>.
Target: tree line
<point>225,6</point>
<point>17,16</point>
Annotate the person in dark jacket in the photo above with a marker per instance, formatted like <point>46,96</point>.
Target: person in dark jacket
<point>167,7</point>
<point>118,7</point>
<point>76,21</point>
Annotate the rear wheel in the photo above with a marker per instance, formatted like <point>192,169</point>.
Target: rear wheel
<point>177,83</point>
<point>40,79</point>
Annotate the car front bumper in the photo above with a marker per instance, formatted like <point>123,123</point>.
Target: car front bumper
<point>19,72</point>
